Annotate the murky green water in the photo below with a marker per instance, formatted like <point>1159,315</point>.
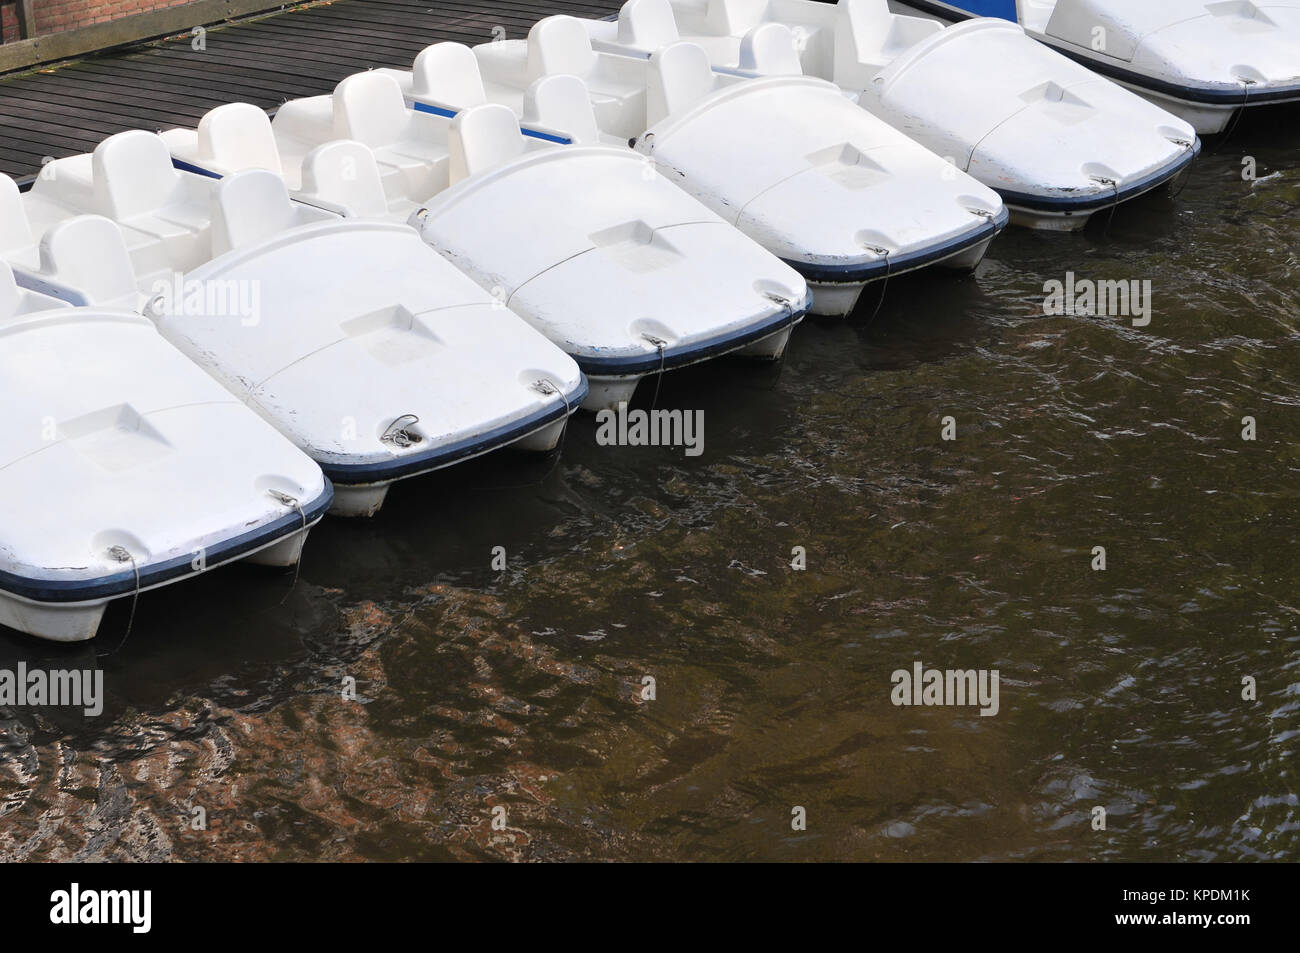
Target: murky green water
<point>1120,689</point>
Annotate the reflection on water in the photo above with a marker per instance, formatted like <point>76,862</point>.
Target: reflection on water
<point>524,688</point>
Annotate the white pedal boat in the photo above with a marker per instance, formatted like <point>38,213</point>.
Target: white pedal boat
<point>355,339</point>
<point>1200,59</point>
<point>627,274</point>
<point>116,458</point>
<point>825,186</point>
<point>1057,142</point>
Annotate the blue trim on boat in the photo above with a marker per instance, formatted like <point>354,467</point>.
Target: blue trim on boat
<point>897,265</point>
<point>191,167</point>
<point>408,465</point>
<point>451,114</point>
<point>1091,203</point>
<point>433,110</point>
<point>59,591</point>
<point>694,353</point>
<point>545,136</point>
<point>1198,95</point>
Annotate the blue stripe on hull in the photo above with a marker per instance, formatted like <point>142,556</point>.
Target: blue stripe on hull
<point>64,591</point>
<point>368,474</point>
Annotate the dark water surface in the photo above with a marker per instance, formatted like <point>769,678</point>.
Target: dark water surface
<point>1119,689</point>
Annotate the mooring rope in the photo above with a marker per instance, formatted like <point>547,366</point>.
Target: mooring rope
<point>1187,172</point>
<point>398,435</point>
<point>884,287</point>
<point>1114,185</point>
<point>788,304</point>
<point>287,500</point>
<point>1236,116</point>
<point>661,344</point>
<point>122,555</point>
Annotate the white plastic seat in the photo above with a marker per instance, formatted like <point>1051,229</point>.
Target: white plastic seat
<point>561,103</point>
<point>679,77</point>
<point>448,74</point>
<point>133,176</point>
<point>344,176</point>
<point>252,205</point>
<point>868,36</point>
<point>647,25</point>
<point>483,138</point>
<point>87,254</point>
<point>560,44</point>
<point>238,136</point>
<point>769,49</point>
<point>370,108</point>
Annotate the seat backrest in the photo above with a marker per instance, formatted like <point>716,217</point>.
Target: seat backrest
<point>734,17</point>
<point>370,108</point>
<point>863,24</point>
<point>88,254</point>
<point>238,136</point>
<point>345,174</point>
<point>679,76</point>
<point>483,138</point>
<point>559,44</point>
<point>133,174</point>
<point>561,103</point>
<point>249,206</point>
<point>448,73</point>
<point>769,49</point>
<point>647,24</point>
<point>15,230</point>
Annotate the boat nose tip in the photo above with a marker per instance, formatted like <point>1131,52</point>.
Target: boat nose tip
<point>781,293</point>
<point>119,546</point>
<point>653,333</point>
<point>876,242</point>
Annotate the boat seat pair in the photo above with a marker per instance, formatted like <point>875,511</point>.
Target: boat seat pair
<point>170,221</point>
<point>82,259</point>
<point>345,174</point>
<point>129,178</point>
<point>370,108</point>
<point>559,45</point>
<point>446,75</point>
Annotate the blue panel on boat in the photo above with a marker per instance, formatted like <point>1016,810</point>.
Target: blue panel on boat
<point>1006,9</point>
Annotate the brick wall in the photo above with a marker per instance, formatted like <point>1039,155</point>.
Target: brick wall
<point>55,16</point>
